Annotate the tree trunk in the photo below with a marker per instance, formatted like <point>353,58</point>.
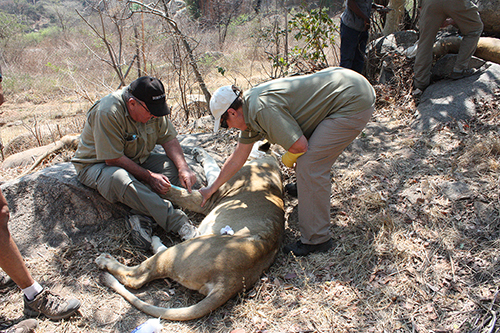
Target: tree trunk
<point>394,17</point>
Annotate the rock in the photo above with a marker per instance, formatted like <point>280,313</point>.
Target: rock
<point>490,15</point>
<point>485,212</point>
<point>396,42</point>
<point>51,207</point>
<point>448,100</point>
<point>456,190</point>
<point>443,67</point>
<point>381,53</point>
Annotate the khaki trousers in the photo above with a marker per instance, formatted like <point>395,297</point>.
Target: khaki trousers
<point>115,184</point>
<point>433,14</point>
<point>313,169</point>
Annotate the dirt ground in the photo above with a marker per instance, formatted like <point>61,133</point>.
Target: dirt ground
<point>415,221</point>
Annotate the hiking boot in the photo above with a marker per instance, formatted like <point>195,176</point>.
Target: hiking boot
<point>291,189</point>
<point>455,75</point>
<point>25,326</point>
<point>141,230</point>
<point>51,305</point>
<point>301,249</point>
<point>188,231</point>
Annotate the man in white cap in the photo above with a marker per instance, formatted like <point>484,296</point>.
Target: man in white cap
<point>115,157</point>
<point>314,117</point>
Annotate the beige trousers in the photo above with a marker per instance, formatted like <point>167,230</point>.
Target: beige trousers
<point>313,169</point>
<point>117,185</point>
<point>433,14</point>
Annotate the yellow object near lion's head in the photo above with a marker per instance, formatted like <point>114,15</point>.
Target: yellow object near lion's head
<point>289,159</point>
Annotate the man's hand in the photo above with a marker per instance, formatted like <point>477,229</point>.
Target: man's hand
<point>206,193</point>
<point>187,178</point>
<point>159,183</point>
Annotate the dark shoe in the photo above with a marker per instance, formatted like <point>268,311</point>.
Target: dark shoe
<point>291,189</point>
<point>141,230</point>
<point>301,249</point>
<point>51,305</point>
<point>454,75</point>
<point>25,326</point>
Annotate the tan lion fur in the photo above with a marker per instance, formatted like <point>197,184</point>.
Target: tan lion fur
<point>218,266</point>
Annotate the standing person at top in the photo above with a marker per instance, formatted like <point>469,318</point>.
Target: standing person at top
<point>115,157</point>
<point>433,14</point>
<point>354,28</point>
<point>314,117</point>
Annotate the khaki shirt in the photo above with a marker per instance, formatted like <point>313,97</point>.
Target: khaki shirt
<point>283,110</point>
<point>111,133</point>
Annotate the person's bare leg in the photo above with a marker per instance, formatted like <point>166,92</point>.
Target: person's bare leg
<point>11,260</point>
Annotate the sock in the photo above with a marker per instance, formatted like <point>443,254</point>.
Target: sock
<point>32,291</point>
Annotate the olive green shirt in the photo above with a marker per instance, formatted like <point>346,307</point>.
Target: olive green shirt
<point>283,110</point>
<point>111,133</point>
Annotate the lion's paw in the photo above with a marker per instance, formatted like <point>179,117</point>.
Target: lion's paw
<point>157,245</point>
<point>103,260</point>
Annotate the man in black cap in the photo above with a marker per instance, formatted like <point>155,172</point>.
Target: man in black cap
<point>115,157</point>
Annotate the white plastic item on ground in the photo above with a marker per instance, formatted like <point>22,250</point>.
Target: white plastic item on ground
<point>411,52</point>
<point>149,326</point>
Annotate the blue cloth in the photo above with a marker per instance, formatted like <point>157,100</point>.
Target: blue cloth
<point>352,48</point>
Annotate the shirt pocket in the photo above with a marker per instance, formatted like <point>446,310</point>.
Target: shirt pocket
<point>131,144</point>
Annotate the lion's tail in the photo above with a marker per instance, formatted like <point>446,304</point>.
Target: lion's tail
<point>212,301</point>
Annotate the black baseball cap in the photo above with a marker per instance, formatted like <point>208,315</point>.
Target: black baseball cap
<point>150,90</point>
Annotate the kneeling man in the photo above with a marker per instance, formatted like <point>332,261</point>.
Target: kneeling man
<point>115,157</point>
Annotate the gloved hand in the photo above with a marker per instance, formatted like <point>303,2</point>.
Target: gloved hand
<point>289,159</point>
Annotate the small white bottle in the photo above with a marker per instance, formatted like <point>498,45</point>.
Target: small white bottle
<point>149,326</point>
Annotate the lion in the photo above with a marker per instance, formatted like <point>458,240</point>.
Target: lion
<point>249,207</point>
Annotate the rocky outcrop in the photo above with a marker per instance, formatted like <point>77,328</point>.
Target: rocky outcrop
<point>448,100</point>
<point>490,15</point>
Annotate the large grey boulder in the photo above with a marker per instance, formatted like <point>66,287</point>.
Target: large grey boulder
<point>448,100</point>
<point>52,208</point>
<point>490,15</point>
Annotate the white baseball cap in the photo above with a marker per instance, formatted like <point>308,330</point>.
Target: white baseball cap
<point>221,101</point>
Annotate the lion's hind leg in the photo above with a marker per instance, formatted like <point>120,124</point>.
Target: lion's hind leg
<point>132,277</point>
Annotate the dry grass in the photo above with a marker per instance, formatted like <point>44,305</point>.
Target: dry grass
<point>410,254</point>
